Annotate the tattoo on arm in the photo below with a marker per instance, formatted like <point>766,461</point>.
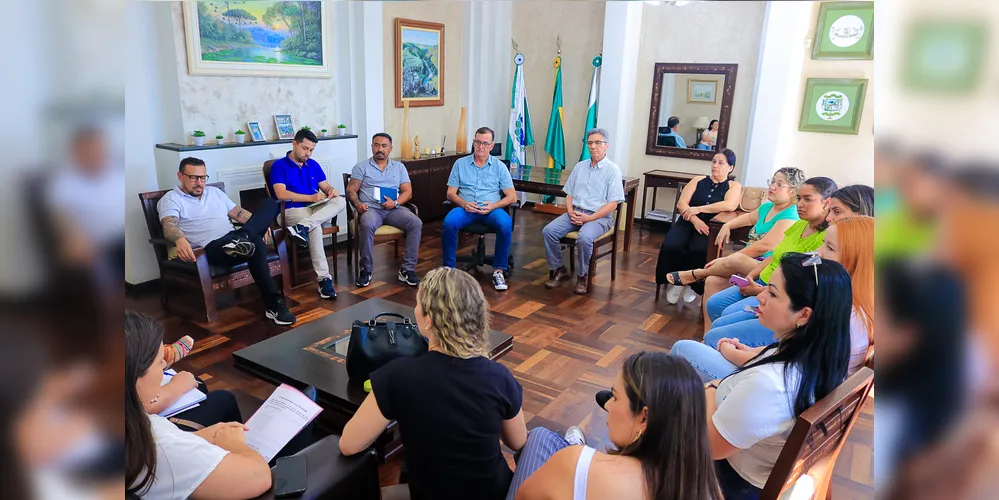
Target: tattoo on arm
<point>170,229</point>
<point>352,188</point>
<point>239,214</point>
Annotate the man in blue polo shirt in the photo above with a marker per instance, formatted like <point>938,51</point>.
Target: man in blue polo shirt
<point>672,130</point>
<point>310,202</point>
<point>474,186</point>
<point>377,188</point>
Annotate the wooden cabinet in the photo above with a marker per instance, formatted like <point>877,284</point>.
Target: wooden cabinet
<point>429,176</point>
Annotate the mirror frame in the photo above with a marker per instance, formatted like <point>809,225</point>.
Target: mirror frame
<point>729,70</point>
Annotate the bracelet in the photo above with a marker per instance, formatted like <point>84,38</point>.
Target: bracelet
<point>712,385</point>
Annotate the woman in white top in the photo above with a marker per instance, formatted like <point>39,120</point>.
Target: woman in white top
<point>162,461</point>
<point>750,413</point>
<point>655,419</point>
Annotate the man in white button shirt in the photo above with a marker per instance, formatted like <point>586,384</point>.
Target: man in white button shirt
<point>196,215</point>
<point>593,191</point>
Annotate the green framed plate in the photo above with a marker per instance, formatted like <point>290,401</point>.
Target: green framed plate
<point>833,105</point>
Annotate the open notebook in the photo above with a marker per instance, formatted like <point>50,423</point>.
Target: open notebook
<point>190,399</point>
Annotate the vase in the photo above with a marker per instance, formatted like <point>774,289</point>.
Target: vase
<point>325,133</point>
<point>461,139</point>
<point>341,132</point>
<point>240,138</point>
<point>220,141</point>
<point>407,146</point>
<point>199,141</point>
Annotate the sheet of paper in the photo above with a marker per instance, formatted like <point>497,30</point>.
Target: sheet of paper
<point>320,202</point>
<point>286,412</point>
<point>189,400</point>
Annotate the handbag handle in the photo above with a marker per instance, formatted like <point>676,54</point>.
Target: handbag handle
<point>373,320</point>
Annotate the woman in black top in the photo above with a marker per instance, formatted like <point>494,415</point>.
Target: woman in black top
<point>686,243</point>
<point>453,404</point>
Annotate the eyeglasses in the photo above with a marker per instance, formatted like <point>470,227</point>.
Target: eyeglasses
<point>482,144</point>
<point>196,178</point>
<point>779,184</point>
<point>813,260</point>
<point>595,143</point>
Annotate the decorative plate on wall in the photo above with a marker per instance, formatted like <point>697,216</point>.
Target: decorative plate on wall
<point>844,30</point>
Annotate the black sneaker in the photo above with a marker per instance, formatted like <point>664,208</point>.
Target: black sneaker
<point>326,289</point>
<point>280,314</point>
<point>363,278</point>
<point>603,397</point>
<point>409,277</point>
<point>239,248</point>
<point>301,234</point>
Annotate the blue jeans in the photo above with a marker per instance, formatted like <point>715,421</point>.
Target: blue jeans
<point>749,332</point>
<point>458,218</point>
<point>729,301</point>
<point>541,445</point>
<point>733,486</point>
<point>708,362</point>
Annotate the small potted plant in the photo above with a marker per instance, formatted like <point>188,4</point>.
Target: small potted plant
<point>325,132</point>
<point>306,128</point>
<point>240,136</point>
<point>220,138</point>
<point>341,130</point>
<point>199,138</point>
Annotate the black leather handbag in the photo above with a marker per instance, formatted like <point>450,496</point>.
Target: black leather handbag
<point>374,343</point>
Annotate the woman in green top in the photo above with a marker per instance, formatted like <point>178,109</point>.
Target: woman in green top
<point>806,235</point>
<point>769,222</point>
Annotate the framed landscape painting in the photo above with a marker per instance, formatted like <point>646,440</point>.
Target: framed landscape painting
<point>419,63</point>
<point>702,91</point>
<point>844,30</point>
<point>257,38</point>
<point>833,105</point>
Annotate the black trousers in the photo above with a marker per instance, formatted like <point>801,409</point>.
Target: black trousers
<point>733,486</point>
<point>253,231</point>
<point>682,249</point>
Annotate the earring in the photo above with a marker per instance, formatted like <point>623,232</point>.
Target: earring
<point>638,436</point>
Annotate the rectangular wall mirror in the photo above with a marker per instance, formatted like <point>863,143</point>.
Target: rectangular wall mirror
<point>690,110</point>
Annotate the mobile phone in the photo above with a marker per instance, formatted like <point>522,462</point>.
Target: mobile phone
<point>289,476</point>
<point>738,281</point>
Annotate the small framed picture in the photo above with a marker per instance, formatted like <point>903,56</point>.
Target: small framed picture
<point>702,91</point>
<point>832,105</point>
<point>285,128</point>
<point>255,134</point>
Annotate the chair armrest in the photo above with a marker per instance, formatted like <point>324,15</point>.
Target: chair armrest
<point>329,474</point>
<point>412,208</point>
<point>161,241</point>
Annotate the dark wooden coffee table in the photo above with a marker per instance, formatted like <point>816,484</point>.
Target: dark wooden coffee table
<point>297,358</point>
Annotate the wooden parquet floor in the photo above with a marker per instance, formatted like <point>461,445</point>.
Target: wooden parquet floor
<point>566,347</point>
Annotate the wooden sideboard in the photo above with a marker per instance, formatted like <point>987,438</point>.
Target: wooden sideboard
<point>429,176</point>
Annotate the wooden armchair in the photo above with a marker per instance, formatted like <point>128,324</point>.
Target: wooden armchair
<point>816,439</point>
<point>610,237</point>
<point>296,250</point>
<point>200,276</point>
<point>384,234</point>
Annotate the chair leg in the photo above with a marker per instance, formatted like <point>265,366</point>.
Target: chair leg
<point>657,292</point>
<point>592,270</point>
<point>396,248</point>
<point>572,259</point>
<point>164,294</point>
<point>614,261</point>
<point>335,266</point>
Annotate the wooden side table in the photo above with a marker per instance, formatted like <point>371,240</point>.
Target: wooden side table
<point>664,179</point>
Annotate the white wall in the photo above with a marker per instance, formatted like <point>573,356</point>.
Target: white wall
<point>699,32</point>
<point>223,104</point>
<point>431,123</point>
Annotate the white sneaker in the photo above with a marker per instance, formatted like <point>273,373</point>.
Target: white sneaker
<point>673,293</point>
<point>499,281</point>
<point>689,295</point>
<point>574,435</point>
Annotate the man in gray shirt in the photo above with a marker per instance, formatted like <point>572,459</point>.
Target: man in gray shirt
<point>377,188</point>
<point>593,191</point>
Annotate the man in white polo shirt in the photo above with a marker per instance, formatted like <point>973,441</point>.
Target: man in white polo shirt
<point>194,214</point>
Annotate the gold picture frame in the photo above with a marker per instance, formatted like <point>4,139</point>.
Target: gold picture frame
<point>702,91</point>
<point>419,63</point>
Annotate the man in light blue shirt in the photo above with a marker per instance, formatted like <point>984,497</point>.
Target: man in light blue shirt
<point>673,130</point>
<point>384,175</point>
<point>593,191</point>
<point>475,186</point>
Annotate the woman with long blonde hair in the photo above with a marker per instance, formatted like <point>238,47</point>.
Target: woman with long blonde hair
<point>849,241</point>
<point>453,404</point>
